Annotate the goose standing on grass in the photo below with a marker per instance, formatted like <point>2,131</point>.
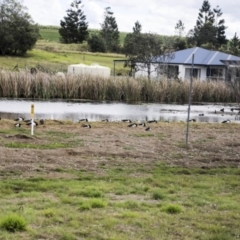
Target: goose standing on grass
<point>86,126</point>
<point>105,120</point>
<point>148,129</point>
<point>126,120</point>
<point>34,123</point>
<point>142,124</point>
<point>17,125</point>
<point>226,121</point>
<point>152,121</point>
<point>132,125</point>
<point>192,120</point>
<point>83,120</point>
<point>19,119</point>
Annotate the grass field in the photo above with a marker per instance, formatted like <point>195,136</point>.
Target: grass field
<point>50,33</point>
<point>115,182</point>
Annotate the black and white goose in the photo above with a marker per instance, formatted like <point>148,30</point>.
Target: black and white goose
<point>17,125</point>
<point>142,124</point>
<point>86,126</point>
<point>30,123</point>
<point>126,120</point>
<point>226,121</point>
<point>19,119</point>
<point>222,110</point>
<point>192,120</point>
<point>148,129</point>
<point>83,120</point>
<point>105,120</point>
<point>152,121</point>
<point>132,125</point>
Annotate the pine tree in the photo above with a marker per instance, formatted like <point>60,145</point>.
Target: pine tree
<point>74,26</point>
<point>234,45</point>
<point>179,28</point>
<point>221,37</point>
<point>209,29</point>
<point>109,31</point>
<point>137,27</point>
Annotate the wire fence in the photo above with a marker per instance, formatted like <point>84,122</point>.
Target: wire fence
<point>50,68</point>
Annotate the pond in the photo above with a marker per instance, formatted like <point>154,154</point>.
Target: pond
<point>114,111</point>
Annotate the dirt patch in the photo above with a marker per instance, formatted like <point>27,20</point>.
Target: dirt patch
<point>114,145</point>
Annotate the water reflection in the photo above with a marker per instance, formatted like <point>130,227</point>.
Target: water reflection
<point>74,111</point>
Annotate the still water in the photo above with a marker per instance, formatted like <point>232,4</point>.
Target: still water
<point>113,111</point>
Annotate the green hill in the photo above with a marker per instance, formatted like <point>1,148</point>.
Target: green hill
<point>50,33</point>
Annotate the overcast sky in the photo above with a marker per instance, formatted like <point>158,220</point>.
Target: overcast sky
<point>155,16</point>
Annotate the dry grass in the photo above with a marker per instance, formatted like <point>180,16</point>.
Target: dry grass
<point>46,86</point>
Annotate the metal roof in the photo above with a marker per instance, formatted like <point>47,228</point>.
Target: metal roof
<point>201,57</point>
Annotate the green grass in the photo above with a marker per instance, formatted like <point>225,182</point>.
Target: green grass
<point>51,33</point>
<point>64,203</point>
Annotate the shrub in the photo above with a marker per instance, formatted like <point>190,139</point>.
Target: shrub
<point>13,223</point>
<point>156,195</point>
<point>172,209</point>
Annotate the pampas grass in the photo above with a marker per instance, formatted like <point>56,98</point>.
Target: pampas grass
<point>48,86</point>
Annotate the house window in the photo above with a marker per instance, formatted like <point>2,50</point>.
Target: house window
<point>214,73</point>
<point>196,73</point>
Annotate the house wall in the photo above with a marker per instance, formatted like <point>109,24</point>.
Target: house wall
<point>199,72</point>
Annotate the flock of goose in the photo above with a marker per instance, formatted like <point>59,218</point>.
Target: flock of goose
<point>85,124</point>
<point>147,128</point>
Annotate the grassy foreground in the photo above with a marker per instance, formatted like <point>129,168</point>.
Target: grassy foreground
<point>115,182</point>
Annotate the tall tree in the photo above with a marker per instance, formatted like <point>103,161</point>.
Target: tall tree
<point>221,37</point>
<point>137,27</point>
<point>109,31</point>
<point>179,41</point>
<point>179,28</point>
<point>18,33</point>
<point>74,26</point>
<point>234,44</point>
<point>146,52</point>
<point>209,29</point>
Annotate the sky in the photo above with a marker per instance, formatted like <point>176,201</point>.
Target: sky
<point>155,16</point>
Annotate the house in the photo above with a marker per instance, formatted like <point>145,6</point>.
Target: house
<point>207,64</point>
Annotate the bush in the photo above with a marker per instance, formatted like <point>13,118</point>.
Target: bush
<point>13,223</point>
<point>172,209</point>
<point>157,195</point>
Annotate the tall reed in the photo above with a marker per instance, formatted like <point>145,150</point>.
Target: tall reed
<point>48,86</point>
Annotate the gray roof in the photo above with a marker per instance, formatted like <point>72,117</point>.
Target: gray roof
<point>202,57</point>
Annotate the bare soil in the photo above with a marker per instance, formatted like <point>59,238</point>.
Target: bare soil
<point>114,144</point>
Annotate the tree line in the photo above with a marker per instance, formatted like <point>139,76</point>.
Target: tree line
<point>18,33</point>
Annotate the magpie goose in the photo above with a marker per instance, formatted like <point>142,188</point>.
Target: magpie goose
<point>148,129</point>
<point>152,121</point>
<point>83,120</point>
<point>142,124</point>
<point>222,110</point>
<point>192,120</point>
<point>226,121</point>
<point>132,125</point>
<point>19,119</point>
<point>126,120</point>
<point>86,126</point>
<point>34,123</point>
<point>17,125</point>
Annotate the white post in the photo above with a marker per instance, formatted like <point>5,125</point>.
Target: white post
<point>32,127</point>
<point>32,117</point>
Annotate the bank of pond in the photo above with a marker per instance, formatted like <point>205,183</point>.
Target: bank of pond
<point>41,85</point>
